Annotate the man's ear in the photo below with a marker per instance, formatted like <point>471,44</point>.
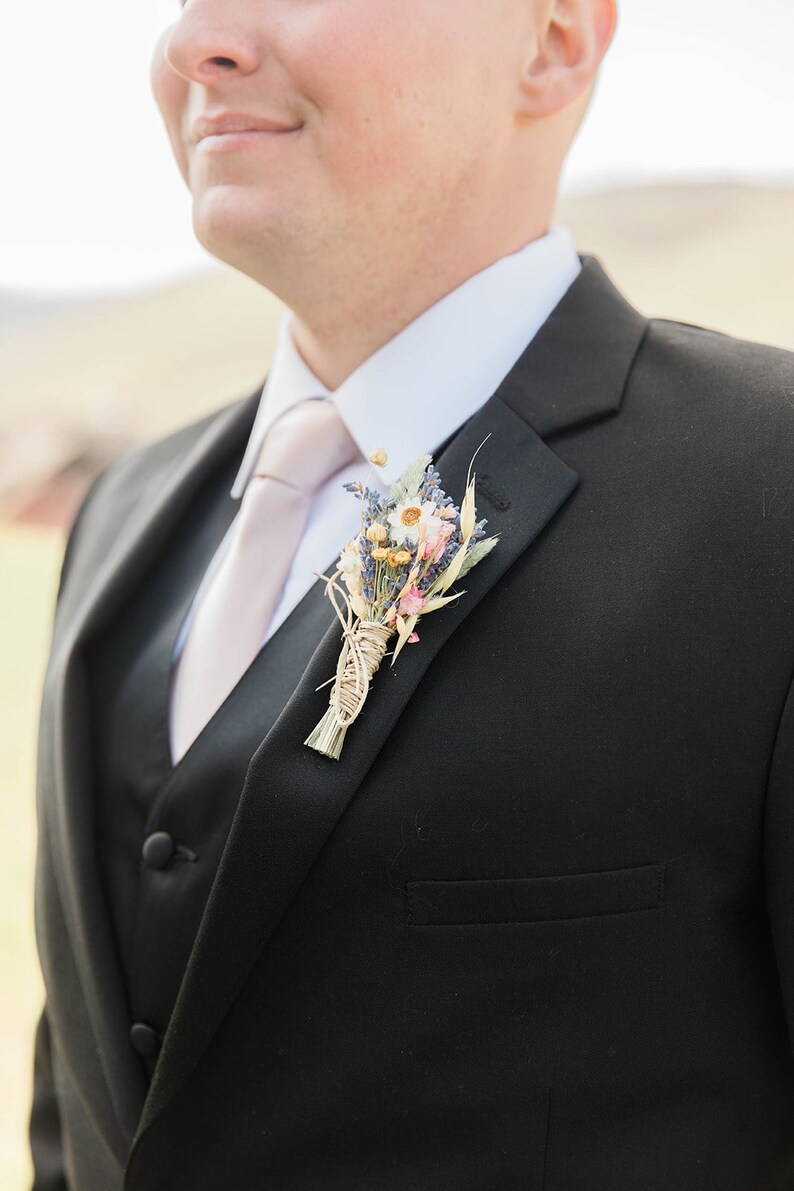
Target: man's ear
<point>572,38</point>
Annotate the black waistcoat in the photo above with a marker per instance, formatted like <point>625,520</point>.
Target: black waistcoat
<point>157,900</point>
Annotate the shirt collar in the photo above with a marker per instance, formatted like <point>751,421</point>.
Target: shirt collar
<point>414,391</point>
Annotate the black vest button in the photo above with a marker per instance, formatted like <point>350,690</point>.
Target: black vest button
<point>144,1039</point>
<point>158,849</point>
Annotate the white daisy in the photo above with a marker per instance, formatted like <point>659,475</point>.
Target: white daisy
<point>407,518</point>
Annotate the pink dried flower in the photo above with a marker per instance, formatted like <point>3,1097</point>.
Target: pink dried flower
<point>411,601</point>
<point>434,547</point>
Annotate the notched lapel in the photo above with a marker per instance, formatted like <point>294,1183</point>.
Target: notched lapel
<point>293,796</point>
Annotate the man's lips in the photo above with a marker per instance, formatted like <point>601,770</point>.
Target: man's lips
<point>234,123</point>
<point>228,142</point>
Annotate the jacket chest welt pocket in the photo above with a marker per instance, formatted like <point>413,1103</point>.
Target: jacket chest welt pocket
<point>534,899</point>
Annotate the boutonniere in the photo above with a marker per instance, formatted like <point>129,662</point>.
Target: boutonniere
<point>411,547</point>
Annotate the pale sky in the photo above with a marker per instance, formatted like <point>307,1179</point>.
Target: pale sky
<point>91,199</point>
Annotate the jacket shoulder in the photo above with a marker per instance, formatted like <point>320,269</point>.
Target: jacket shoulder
<point>716,412</point>
<point>134,469</point>
<point>725,371</point>
<point>115,491</point>
<point>727,399</point>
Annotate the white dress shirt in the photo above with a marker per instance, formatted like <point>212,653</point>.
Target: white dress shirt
<point>409,396</point>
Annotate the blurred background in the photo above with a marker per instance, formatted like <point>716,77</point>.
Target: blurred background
<point>116,326</point>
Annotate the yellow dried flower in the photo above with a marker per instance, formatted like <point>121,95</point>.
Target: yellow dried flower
<point>392,558</point>
<point>377,533</point>
<point>381,552</point>
<point>379,457</point>
<point>402,556</point>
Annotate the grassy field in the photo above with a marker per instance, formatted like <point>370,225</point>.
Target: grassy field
<point>29,563</point>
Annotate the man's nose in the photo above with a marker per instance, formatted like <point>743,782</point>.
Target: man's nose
<point>210,41</point>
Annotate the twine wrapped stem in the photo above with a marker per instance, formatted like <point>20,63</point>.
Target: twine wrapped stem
<point>363,648</point>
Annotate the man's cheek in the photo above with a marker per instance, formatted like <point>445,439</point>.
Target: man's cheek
<point>379,147</point>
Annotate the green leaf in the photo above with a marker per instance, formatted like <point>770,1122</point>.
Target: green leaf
<point>477,553</point>
<point>409,483</point>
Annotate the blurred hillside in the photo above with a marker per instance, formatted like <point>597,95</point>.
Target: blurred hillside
<point>82,383</point>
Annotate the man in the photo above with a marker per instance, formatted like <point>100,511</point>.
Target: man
<point>535,927</point>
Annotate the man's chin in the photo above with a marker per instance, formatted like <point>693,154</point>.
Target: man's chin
<point>229,224</point>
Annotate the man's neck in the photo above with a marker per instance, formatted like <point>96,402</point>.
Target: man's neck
<point>335,337</point>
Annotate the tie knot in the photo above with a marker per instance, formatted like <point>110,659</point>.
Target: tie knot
<point>307,445</point>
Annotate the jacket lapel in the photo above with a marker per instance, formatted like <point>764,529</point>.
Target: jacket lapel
<point>573,372</point>
<point>65,765</point>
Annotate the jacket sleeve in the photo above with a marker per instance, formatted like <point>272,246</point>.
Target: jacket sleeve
<point>45,1122</point>
<point>779,854</point>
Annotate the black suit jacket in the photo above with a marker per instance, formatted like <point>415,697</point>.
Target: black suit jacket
<point>535,929</point>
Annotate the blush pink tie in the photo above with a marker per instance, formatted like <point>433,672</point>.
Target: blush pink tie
<point>305,447</point>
